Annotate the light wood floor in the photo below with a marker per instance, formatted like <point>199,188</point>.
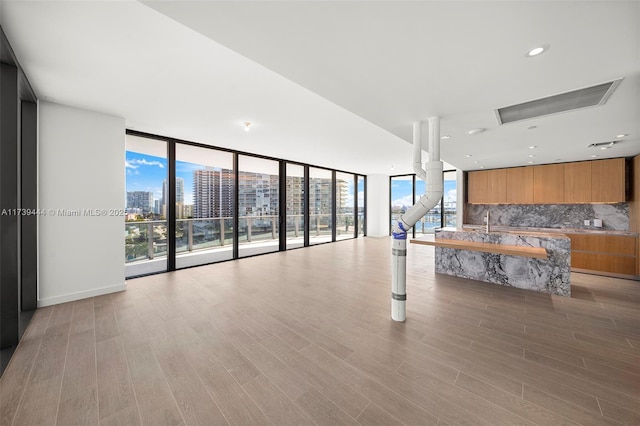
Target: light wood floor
<point>305,337</point>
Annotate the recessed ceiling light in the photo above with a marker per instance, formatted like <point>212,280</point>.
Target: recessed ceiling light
<point>532,127</point>
<point>476,131</point>
<point>594,156</point>
<point>530,162</point>
<point>605,147</point>
<point>532,147</point>
<point>482,167</point>
<point>476,162</point>
<point>445,137</point>
<point>468,155</point>
<point>531,156</point>
<point>247,126</point>
<point>622,135</point>
<point>537,51</point>
<point>392,167</point>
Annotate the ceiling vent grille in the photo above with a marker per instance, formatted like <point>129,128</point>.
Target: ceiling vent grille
<point>569,101</point>
<point>602,144</point>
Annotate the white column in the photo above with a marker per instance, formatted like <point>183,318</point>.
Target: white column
<point>378,219</point>
<point>81,168</point>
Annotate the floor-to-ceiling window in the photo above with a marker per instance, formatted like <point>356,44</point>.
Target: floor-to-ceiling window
<point>295,205</point>
<point>145,231</point>
<point>204,193</point>
<point>361,200</point>
<point>401,195</point>
<point>405,190</point>
<point>433,218</point>
<point>345,203</point>
<point>258,205</point>
<point>320,205</point>
<point>190,204</point>
<point>449,197</point>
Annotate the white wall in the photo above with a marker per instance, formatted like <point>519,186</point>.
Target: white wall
<point>81,166</point>
<point>461,190</point>
<point>378,218</point>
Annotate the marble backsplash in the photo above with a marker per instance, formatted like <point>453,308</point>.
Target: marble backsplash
<point>615,217</point>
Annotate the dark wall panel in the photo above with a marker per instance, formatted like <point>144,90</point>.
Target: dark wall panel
<point>28,201</point>
<point>8,205</point>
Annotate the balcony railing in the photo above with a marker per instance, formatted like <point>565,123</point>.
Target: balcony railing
<point>147,240</point>
<point>430,221</point>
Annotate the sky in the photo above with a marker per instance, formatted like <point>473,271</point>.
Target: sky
<point>146,173</point>
<point>401,191</point>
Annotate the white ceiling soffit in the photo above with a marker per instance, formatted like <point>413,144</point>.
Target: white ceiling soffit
<point>394,62</point>
<point>564,102</point>
<point>126,59</point>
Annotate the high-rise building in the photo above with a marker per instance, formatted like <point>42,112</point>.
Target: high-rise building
<point>187,211</point>
<point>179,196</point>
<point>295,195</point>
<point>258,194</point>
<point>179,190</point>
<point>320,196</point>
<point>142,200</point>
<point>213,193</point>
<point>342,197</point>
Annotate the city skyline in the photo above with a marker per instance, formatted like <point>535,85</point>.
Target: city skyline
<point>401,191</point>
<point>151,171</point>
<point>147,173</point>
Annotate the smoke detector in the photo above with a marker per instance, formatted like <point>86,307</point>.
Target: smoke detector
<point>569,101</point>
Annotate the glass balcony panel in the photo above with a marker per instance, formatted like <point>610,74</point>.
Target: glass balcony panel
<point>258,206</point>
<point>205,185</point>
<point>145,227</point>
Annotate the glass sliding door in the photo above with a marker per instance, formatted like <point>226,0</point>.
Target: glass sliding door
<point>145,228</point>
<point>449,198</point>
<point>189,204</point>
<point>258,206</point>
<point>345,212</point>
<point>362,224</point>
<point>295,206</point>
<point>320,206</point>
<point>205,185</point>
<point>401,196</point>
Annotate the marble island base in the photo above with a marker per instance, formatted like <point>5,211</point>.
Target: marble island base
<point>550,275</point>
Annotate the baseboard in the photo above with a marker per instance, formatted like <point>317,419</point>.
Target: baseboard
<point>70,297</point>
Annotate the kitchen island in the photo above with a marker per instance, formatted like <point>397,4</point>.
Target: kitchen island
<point>534,261</point>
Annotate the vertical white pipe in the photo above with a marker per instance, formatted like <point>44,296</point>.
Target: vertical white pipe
<point>399,284</point>
<point>433,194</point>
<point>434,138</point>
<point>417,150</point>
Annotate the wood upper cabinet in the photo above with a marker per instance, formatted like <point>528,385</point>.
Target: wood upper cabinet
<point>497,186</point>
<point>607,181</point>
<point>519,185</point>
<point>598,181</point>
<point>487,186</point>
<point>548,184</point>
<point>477,187</point>
<point>577,182</point>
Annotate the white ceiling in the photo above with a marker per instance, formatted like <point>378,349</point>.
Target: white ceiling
<point>339,83</point>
